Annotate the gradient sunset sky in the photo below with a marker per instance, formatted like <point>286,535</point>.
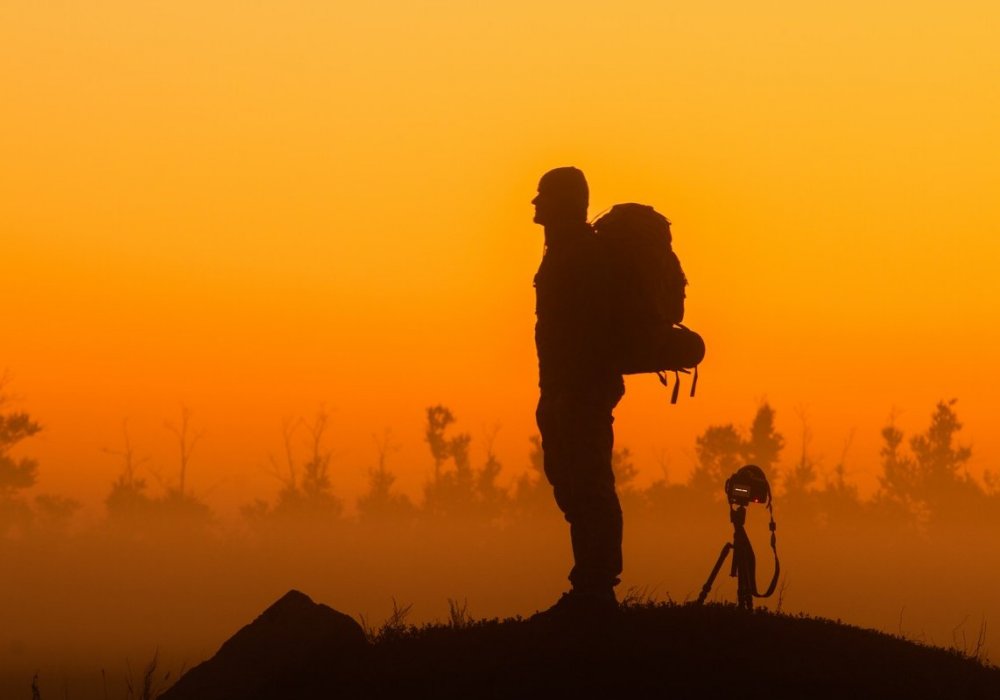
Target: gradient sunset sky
<point>255,209</point>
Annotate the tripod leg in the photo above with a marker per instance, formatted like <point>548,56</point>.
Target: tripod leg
<point>715,572</point>
<point>743,562</point>
<point>743,593</point>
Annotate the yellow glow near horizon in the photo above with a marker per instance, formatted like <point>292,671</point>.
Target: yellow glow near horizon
<point>258,208</point>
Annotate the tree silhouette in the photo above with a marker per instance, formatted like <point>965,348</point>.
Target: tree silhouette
<point>765,443</point>
<point>932,482</point>
<point>128,503</point>
<point>624,469</point>
<point>56,512</point>
<point>839,492</point>
<point>532,492</point>
<point>186,442</point>
<point>939,464</point>
<point>316,471</point>
<point>380,504</point>
<point>801,479</point>
<point>306,488</point>
<point>16,473</point>
<point>450,492</point>
<point>720,452</point>
<point>462,490</point>
<point>898,472</point>
<point>493,498</point>
<point>438,420</point>
<point>663,498</point>
<point>178,505</point>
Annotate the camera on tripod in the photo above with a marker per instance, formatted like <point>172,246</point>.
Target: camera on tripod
<point>748,485</point>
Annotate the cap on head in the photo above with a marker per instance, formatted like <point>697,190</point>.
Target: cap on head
<point>567,186</point>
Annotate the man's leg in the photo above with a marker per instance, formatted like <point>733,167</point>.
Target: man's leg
<point>577,443</point>
<point>595,514</point>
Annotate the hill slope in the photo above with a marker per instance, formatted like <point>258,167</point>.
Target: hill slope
<point>681,651</point>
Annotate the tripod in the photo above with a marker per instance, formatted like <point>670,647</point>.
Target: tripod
<point>744,566</point>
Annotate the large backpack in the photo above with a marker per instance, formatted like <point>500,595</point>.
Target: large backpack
<point>647,287</point>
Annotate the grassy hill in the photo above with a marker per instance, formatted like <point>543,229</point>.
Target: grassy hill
<point>651,650</point>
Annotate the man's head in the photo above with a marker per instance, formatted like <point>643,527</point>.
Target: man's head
<point>562,197</point>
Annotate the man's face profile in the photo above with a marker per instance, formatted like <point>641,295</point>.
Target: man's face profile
<point>543,207</point>
<point>562,197</point>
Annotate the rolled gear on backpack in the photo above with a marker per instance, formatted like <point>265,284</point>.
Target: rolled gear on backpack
<point>648,290</point>
<point>673,349</point>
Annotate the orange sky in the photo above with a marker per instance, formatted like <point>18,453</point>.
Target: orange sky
<point>258,208</point>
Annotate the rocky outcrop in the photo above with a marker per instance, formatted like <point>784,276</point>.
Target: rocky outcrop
<point>278,655</point>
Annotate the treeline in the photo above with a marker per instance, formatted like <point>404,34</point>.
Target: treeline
<point>923,481</point>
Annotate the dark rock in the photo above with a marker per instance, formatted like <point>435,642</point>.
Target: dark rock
<point>278,655</point>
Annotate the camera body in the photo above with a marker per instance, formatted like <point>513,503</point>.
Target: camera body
<point>748,485</point>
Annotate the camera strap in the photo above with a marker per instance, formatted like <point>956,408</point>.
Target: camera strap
<point>745,559</point>
<point>772,526</point>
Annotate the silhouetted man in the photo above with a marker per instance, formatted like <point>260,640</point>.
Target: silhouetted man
<point>579,389</point>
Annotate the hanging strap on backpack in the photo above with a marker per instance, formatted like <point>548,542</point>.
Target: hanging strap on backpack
<point>662,376</point>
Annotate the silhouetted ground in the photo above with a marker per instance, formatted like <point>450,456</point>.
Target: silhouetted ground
<point>298,649</point>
